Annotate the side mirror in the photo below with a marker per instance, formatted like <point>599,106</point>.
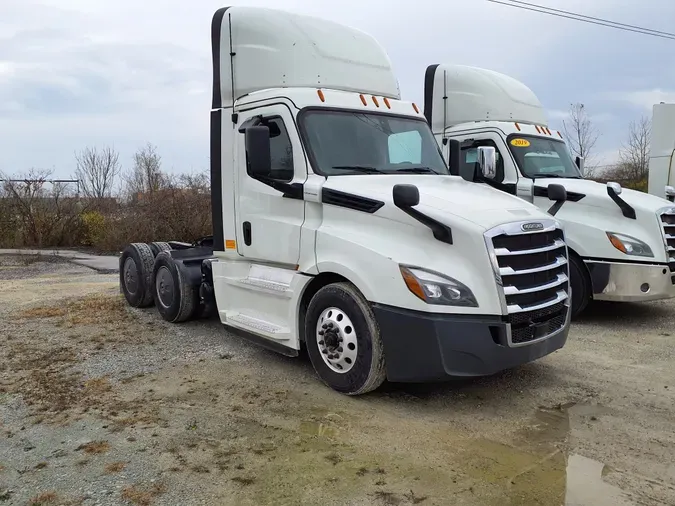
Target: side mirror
<point>670,193</point>
<point>580,162</point>
<point>614,188</point>
<point>454,156</point>
<point>406,195</point>
<point>558,194</point>
<point>487,161</point>
<point>258,150</point>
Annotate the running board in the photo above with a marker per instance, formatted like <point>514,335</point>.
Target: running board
<point>266,279</point>
<point>257,326</point>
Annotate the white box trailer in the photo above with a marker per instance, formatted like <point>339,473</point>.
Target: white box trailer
<point>621,241</point>
<point>337,227</point>
<point>662,152</point>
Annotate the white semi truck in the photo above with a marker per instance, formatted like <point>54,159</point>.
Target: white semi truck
<point>662,152</point>
<point>337,228</point>
<point>621,241</point>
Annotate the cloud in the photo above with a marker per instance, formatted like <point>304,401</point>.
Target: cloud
<point>644,99</point>
<point>75,72</point>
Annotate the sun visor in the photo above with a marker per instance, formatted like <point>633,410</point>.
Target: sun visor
<point>256,49</point>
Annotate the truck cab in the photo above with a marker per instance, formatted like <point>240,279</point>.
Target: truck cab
<point>621,241</point>
<point>337,227</point>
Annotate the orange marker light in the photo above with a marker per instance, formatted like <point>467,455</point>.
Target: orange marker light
<point>386,102</point>
<point>518,126</point>
<point>363,100</point>
<point>377,104</point>
<point>559,134</point>
<point>321,97</point>
<point>538,129</point>
<point>415,107</point>
<point>548,131</point>
<point>412,283</point>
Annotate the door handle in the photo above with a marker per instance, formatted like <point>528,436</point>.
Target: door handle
<point>247,233</point>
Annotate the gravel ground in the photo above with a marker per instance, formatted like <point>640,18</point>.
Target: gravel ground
<point>101,404</point>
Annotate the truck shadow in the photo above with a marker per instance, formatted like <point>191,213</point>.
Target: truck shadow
<point>628,313</point>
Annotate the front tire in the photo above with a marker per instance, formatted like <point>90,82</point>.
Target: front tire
<point>581,286</point>
<point>175,299</point>
<point>136,274</point>
<point>343,340</point>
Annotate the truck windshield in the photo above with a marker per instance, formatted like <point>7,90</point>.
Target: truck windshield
<point>539,157</point>
<point>346,142</point>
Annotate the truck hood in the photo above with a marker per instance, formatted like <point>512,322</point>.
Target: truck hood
<point>444,197</point>
<point>596,194</point>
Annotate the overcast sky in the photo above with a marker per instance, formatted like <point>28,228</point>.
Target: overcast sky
<point>77,73</point>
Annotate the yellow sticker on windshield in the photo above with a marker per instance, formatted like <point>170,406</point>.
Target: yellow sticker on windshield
<point>520,143</point>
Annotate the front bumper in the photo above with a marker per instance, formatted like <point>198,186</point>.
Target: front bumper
<point>431,347</point>
<point>630,282</point>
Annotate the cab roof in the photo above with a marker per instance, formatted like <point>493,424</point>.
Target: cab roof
<point>255,49</point>
<point>455,94</point>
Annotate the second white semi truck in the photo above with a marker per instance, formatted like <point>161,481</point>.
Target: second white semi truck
<point>337,228</point>
<point>621,241</point>
<point>662,152</point>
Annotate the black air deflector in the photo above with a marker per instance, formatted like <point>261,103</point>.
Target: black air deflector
<point>429,76</point>
<point>350,201</point>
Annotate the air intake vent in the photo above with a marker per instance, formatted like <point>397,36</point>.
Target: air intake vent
<point>350,201</point>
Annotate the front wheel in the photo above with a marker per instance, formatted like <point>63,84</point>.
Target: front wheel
<point>581,286</point>
<point>343,340</point>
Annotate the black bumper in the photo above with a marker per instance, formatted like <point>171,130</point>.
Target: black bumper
<point>431,347</point>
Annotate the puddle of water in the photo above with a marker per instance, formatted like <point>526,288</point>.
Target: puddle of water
<point>534,469</point>
<point>585,486</point>
<point>319,429</point>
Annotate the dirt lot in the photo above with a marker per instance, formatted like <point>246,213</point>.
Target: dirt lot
<point>102,404</point>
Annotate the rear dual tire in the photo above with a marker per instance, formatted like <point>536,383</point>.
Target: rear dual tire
<point>136,265</point>
<point>176,300</point>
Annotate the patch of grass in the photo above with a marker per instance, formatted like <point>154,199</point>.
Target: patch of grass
<point>200,468</point>
<point>42,312</point>
<point>387,498</point>
<point>97,386</point>
<point>142,496</point>
<point>114,467</point>
<point>94,447</point>
<point>333,458</point>
<point>44,499</point>
<point>41,465</point>
<point>244,480</point>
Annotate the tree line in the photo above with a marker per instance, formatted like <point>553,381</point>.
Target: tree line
<point>632,167</point>
<point>104,205</point>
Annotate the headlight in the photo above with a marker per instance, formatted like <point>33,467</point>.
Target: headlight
<point>629,245</point>
<point>435,288</point>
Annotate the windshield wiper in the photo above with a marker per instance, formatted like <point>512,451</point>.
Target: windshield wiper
<point>417,170</point>
<point>360,168</point>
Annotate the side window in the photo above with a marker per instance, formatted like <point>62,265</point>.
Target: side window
<point>281,150</point>
<point>470,157</point>
<point>405,147</point>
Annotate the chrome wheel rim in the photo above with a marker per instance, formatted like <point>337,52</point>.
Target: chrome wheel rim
<point>336,340</point>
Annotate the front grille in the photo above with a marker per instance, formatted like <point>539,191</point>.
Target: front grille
<point>667,219</point>
<point>534,275</point>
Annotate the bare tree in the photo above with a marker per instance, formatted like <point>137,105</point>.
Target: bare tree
<point>46,215</point>
<point>579,133</point>
<point>97,171</point>
<point>146,174</point>
<point>634,153</point>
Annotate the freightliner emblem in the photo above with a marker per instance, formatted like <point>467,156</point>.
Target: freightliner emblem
<point>530,227</point>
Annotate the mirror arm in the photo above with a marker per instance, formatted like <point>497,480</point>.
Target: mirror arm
<point>289,190</point>
<point>441,231</point>
<point>555,207</point>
